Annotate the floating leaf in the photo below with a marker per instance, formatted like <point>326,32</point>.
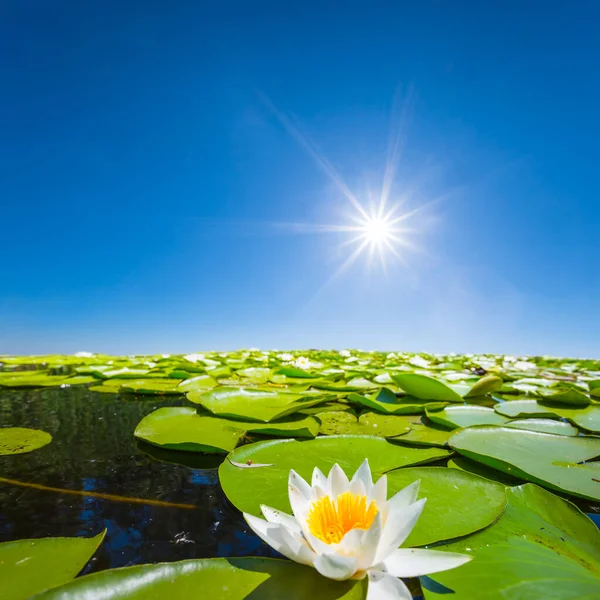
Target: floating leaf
<point>571,396</point>
<point>182,428</point>
<point>218,578</point>
<point>19,440</point>
<point>550,460</point>
<point>465,416</point>
<point>151,387</point>
<point>426,388</point>
<point>545,426</point>
<point>253,404</point>
<point>249,488</point>
<point>541,547</point>
<point>486,385</point>
<point>447,490</point>
<point>386,402</point>
<point>200,382</point>
<point>427,434</point>
<point>29,567</point>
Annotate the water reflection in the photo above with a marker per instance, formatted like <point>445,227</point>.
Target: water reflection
<point>94,451</point>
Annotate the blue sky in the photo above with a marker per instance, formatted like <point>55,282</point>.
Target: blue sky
<point>144,178</point>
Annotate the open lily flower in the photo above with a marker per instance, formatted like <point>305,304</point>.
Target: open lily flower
<point>349,530</point>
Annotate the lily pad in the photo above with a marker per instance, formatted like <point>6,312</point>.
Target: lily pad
<point>218,578</point>
<point>19,440</point>
<point>545,426</point>
<point>151,387</point>
<point>247,489</point>
<point>200,382</point>
<point>337,422</point>
<point>465,416</point>
<point>182,428</point>
<point>587,418</point>
<point>486,385</point>
<point>541,547</point>
<point>253,404</point>
<point>387,403</point>
<point>29,567</point>
<point>571,396</point>
<point>427,388</point>
<point>447,490</point>
<point>551,460</point>
<point>427,434</point>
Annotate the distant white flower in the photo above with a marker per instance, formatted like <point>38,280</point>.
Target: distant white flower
<point>419,361</point>
<point>302,362</point>
<point>165,355</point>
<point>524,365</point>
<point>286,357</point>
<point>345,353</point>
<point>391,355</point>
<point>194,357</point>
<point>348,530</point>
<point>510,359</point>
<point>84,354</point>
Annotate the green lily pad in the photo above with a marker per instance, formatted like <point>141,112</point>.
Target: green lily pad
<point>550,460</point>
<point>253,404</point>
<point>255,374</point>
<point>427,434</point>
<point>248,488</point>
<point>587,418</point>
<point>182,428</point>
<point>387,403</point>
<point>31,379</point>
<point>444,516</point>
<point>218,578</point>
<point>477,468</point>
<point>465,416</point>
<point>545,426</point>
<point>372,423</point>
<point>486,385</point>
<point>337,422</point>
<point>291,426</point>
<point>151,387</point>
<point>200,382</point>
<point>571,396</point>
<point>541,547</point>
<point>426,388</point>
<point>19,440</point>
<point>29,567</point>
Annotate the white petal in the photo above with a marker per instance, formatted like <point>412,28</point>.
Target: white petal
<point>278,537</point>
<point>319,546</point>
<point>299,503</point>
<point>370,543</point>
<point>363,474</point>
<point>378,492</point>
<point>300,483</point>
<point>383,586</point>
<point>398,525</point>
<point>276,516</point>
<point>319,479</point>
<point>335,566</point>
<point>414,562</point>
<point>351,544</point>
<point>406,496</point>
<point>338,481</point>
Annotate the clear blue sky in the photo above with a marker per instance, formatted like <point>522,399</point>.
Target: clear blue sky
<point>142,175</point>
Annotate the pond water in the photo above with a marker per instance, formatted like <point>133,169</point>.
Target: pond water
<point>93,451</point>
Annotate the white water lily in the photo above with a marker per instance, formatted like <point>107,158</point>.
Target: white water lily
<point>349,530</point>
<point>345,353</point>
<point>302,362</point>
<point>286,357</point>
<point>84,354</point>
<point>419,361</point>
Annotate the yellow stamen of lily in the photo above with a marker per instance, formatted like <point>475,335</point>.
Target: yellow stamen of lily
<point>330,520</point>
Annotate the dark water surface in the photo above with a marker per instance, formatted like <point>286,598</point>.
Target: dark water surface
<point>93,449</point>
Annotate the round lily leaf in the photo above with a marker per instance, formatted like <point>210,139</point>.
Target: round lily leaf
<point>387,403</point>
<point>372,423</point>
<point>266,480</point>
<point>465,416</point>
<point>554,461</point>
<point>182,428</point>
<point>426,388</point>
<point>427,434</point>
<point>218,578</point>
<point>152,386</point>
<point>486,385</point>
<point>447,491</point>
<point>29,567</point>
<point>200,382</point>
<point>19,440</point>
<point>541,547</point>
<point>570,396</point>
<point>545,426</point>
<point>337,422</point>
<point>252,404</point>
<point>587,418</point>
